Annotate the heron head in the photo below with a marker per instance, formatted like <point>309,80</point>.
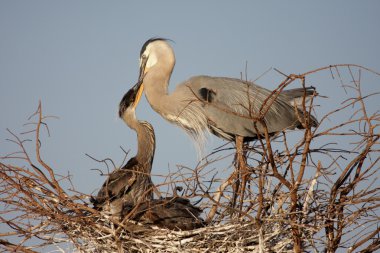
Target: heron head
<point>153,52</point>
<point>131,98</point>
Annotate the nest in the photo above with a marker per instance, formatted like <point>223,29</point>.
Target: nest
<point>237,237</point>
<point>57,219</point>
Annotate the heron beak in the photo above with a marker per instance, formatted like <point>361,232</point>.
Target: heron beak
<point>140,88</point>
<point>131,98</point>
<point>142,69</point>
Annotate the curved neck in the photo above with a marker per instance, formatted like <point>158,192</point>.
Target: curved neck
<point>156,84</point>
<point>179,107</point>
<point>146,143</point>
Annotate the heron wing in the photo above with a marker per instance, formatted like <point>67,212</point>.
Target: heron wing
<point>171,213</point>
<point>233,107</point>
<point>118,183</point>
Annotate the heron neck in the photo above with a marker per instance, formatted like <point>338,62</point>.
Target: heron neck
<point>156,91</point>
<point>146,144</point>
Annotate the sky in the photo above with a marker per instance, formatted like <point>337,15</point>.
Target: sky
<point>79,58</point>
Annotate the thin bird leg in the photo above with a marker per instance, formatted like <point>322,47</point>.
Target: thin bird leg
<point>235,186</point>
<point>242,167</point>
<point>240,172</point>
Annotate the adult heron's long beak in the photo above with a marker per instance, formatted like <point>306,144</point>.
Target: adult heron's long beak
<point>142,69</point>
<point>139,86</point>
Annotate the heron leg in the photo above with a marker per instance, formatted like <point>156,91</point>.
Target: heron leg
<point>243,170</point>
<point>235,187</point>
<point>241,173</point>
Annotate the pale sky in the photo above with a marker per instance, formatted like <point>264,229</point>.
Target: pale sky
<point>80,57</point>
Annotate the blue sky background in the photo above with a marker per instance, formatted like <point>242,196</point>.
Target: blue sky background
<point>80,57</point>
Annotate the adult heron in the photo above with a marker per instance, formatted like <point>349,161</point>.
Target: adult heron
<point>131,184</point>
<point>229,108</point>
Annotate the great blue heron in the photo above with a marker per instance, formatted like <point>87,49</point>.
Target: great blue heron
<point>223,106</point>
<point>132,183</point>
<point>131,189</point>
<point>172,212</point>
<point>230,108</point>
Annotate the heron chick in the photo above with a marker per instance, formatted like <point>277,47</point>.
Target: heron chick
<point>130,189</point>
<point>131,184</point>
<point>175,213</point>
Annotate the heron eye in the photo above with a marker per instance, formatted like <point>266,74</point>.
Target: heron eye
<point>143,56</point>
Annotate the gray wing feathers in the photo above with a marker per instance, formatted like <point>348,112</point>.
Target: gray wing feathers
<point>231,106</point>
<point>172,213</point>
<point>124,186</point>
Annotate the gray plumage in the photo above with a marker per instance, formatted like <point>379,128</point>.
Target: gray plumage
<point>174,213</point>
<point>226,107</point>
<point>131,189</point>
<point>132,183</point>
